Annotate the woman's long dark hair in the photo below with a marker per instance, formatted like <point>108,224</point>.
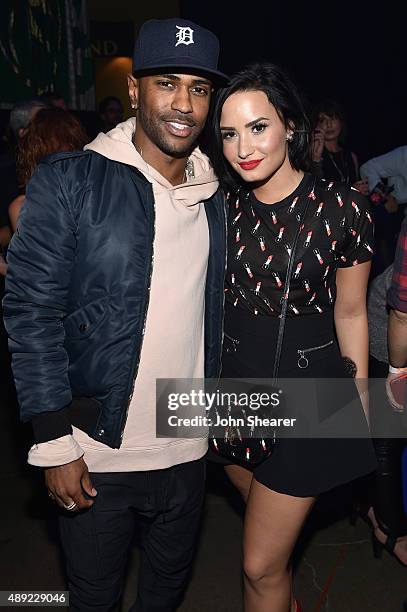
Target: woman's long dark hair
<point>285,98</point>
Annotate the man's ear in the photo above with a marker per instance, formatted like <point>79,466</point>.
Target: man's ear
<point>132,83</point>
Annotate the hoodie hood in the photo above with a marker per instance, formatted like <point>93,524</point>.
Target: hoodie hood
<point>117,145</point>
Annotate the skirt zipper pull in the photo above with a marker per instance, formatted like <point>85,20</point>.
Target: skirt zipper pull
<point>302,360</point>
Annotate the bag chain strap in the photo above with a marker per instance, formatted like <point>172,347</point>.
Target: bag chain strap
<point>286,291</point>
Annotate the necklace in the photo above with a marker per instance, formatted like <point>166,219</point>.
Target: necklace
<point>189,170</point>
<point>343,176</point>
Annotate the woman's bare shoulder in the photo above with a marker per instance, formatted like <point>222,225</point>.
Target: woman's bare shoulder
<point>17,203</point>
<point>14,210</point>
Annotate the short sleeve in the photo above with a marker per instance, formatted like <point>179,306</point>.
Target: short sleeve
<point>357,247</point>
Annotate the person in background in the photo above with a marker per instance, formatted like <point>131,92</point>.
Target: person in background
<point>387,179</point>
<point>396,542</point>
<point>22,114</point>
<point>20,117</point>
<point>332,160</point>
<point>391,166</point>
<point>110,113</point>
<point>55,99</point>
<point>52,130</point>
<point>385,511</point>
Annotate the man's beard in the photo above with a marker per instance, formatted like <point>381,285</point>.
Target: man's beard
<point>157,136</point>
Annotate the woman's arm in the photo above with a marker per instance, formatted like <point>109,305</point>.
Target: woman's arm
<point>14,210</point>
<point>351,321</point>
<point>3,266</point>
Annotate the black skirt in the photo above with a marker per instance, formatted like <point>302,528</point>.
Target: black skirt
<point>305,466</point>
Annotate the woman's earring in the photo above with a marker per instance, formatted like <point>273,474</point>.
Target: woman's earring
<point>134,106</point>
<point>290,137</point>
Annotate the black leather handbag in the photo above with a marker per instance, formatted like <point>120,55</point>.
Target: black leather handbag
<point>251,445</point>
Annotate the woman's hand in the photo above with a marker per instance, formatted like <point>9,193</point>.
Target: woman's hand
<point>317,146</point>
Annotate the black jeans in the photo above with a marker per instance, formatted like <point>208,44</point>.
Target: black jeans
<point>165,506</point>
<point>386,489</point>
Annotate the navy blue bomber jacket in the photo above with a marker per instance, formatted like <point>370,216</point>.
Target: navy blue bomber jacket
<point>77,293</point>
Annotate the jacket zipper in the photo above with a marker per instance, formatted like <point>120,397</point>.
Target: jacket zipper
<point>222,330</point>
<point>302,360</point>
<point>137,362</point>
<point>136,366</point>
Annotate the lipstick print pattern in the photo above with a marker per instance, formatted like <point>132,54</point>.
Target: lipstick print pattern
<point>336,232</point>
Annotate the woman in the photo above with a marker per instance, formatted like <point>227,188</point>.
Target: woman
<point>261,155</point>
<point>386,514</point>
<point>52,130</point>
<point>331,159</point>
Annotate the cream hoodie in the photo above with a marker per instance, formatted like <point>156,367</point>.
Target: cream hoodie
<point>173,344</point>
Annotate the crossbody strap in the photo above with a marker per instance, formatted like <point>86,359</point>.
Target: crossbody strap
<point>287,289</point>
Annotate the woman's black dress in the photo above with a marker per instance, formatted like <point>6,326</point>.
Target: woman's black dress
<point>337,232</point>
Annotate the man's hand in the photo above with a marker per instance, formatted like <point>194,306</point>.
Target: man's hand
<point>391,204</point>
<point>362,186</point>
<point>67,483</point>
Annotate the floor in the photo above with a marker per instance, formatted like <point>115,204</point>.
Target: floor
<point>335,569</point>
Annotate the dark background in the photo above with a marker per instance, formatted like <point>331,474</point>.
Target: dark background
<point>352,51</point>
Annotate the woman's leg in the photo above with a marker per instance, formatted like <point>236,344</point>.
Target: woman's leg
<point>387,513</point>
<point>273,522</point>
<point>241,478</point>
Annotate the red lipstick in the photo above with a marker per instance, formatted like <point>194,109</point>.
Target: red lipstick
<point>250,165</point>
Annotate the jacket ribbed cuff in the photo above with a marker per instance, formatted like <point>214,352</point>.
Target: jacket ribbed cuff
<point>51,425</point>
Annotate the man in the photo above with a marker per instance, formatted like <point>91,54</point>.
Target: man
<point>393,167</point>
<point>390,211</point>
<point>110,113</point>
<point>116,279</point>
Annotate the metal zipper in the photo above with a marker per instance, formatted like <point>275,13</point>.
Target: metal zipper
<point>222,330</point>
<point>302,360</point>
<point>136,365</point>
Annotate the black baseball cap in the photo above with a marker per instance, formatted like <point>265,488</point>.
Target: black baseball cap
<point>176,44</point>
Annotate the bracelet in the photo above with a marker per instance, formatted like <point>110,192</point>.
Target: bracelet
<point>393,370</point>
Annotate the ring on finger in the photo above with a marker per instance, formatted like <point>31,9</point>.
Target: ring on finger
<point>71,507</point>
